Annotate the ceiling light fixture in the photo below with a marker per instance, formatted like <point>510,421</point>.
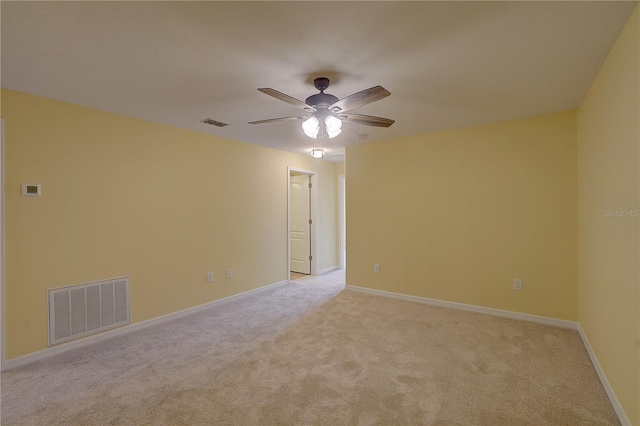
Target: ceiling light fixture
<point>317,153</point>
<point>332,126</point>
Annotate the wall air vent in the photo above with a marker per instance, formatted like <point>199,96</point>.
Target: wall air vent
<point>81,310</point>
<point>213,122</point>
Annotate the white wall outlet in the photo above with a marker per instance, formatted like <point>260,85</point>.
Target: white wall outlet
<point>376,268</point>
<point>209,277</point>
<point>228,273</point>
<point>517,284</point>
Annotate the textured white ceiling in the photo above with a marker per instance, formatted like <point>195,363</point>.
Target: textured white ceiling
<point>447,64</point>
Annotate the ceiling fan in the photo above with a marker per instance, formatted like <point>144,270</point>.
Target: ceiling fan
<point>330,110</point>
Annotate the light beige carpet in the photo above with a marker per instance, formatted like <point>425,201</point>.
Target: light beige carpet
<point>312,353</point>
<point>296,275</point>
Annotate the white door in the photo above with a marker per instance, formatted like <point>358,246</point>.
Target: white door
<point>300,229</point>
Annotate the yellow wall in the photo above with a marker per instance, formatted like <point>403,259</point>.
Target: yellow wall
<point>457,215</point>
<point>122,196</point>
<point>608,178</point>
<point>453,215</point>
<point>339,171</point>
<point>327,227</point>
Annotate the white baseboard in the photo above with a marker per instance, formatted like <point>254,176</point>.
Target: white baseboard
<point>89,340</point>
<point>58,349</point>
<point>622,416</point>
<point>329,269</point>
<point>624,420</point>
<point>472,308</point>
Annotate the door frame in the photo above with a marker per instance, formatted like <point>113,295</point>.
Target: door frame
<point>2,268</point>
<point>312,210</point>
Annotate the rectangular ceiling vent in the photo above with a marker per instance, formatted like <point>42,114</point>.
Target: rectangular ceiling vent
<point>213,122</point>
<point>81,310</point>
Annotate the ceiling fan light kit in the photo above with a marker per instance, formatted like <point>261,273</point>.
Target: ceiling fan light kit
<point>311,127</point>
<point>333,126</point>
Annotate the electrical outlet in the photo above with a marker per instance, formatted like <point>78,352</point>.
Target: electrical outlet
<point>376,268</point>
<point>228,274</point>
<point>209,277</point>
<point>517,284</point>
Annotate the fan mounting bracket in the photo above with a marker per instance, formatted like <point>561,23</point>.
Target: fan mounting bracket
<point>321,83</point>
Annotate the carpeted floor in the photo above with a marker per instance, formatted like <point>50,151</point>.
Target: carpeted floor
<point>296,275</point>
<point>313,353</point>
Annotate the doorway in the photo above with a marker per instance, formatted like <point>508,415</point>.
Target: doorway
<point>301,222</point>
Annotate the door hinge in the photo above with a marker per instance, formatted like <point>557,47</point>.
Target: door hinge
<point>310,257</point>
<point>310,186</point>
<point>310,221</point>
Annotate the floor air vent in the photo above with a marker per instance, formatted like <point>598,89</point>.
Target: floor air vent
<point>81,310</point>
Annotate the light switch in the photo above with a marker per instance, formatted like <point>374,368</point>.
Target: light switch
<point>31,190</point>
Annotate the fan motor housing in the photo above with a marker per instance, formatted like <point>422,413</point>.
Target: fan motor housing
<point>321,100</point>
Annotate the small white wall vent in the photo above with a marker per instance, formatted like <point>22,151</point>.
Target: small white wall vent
<point>81,310</point>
